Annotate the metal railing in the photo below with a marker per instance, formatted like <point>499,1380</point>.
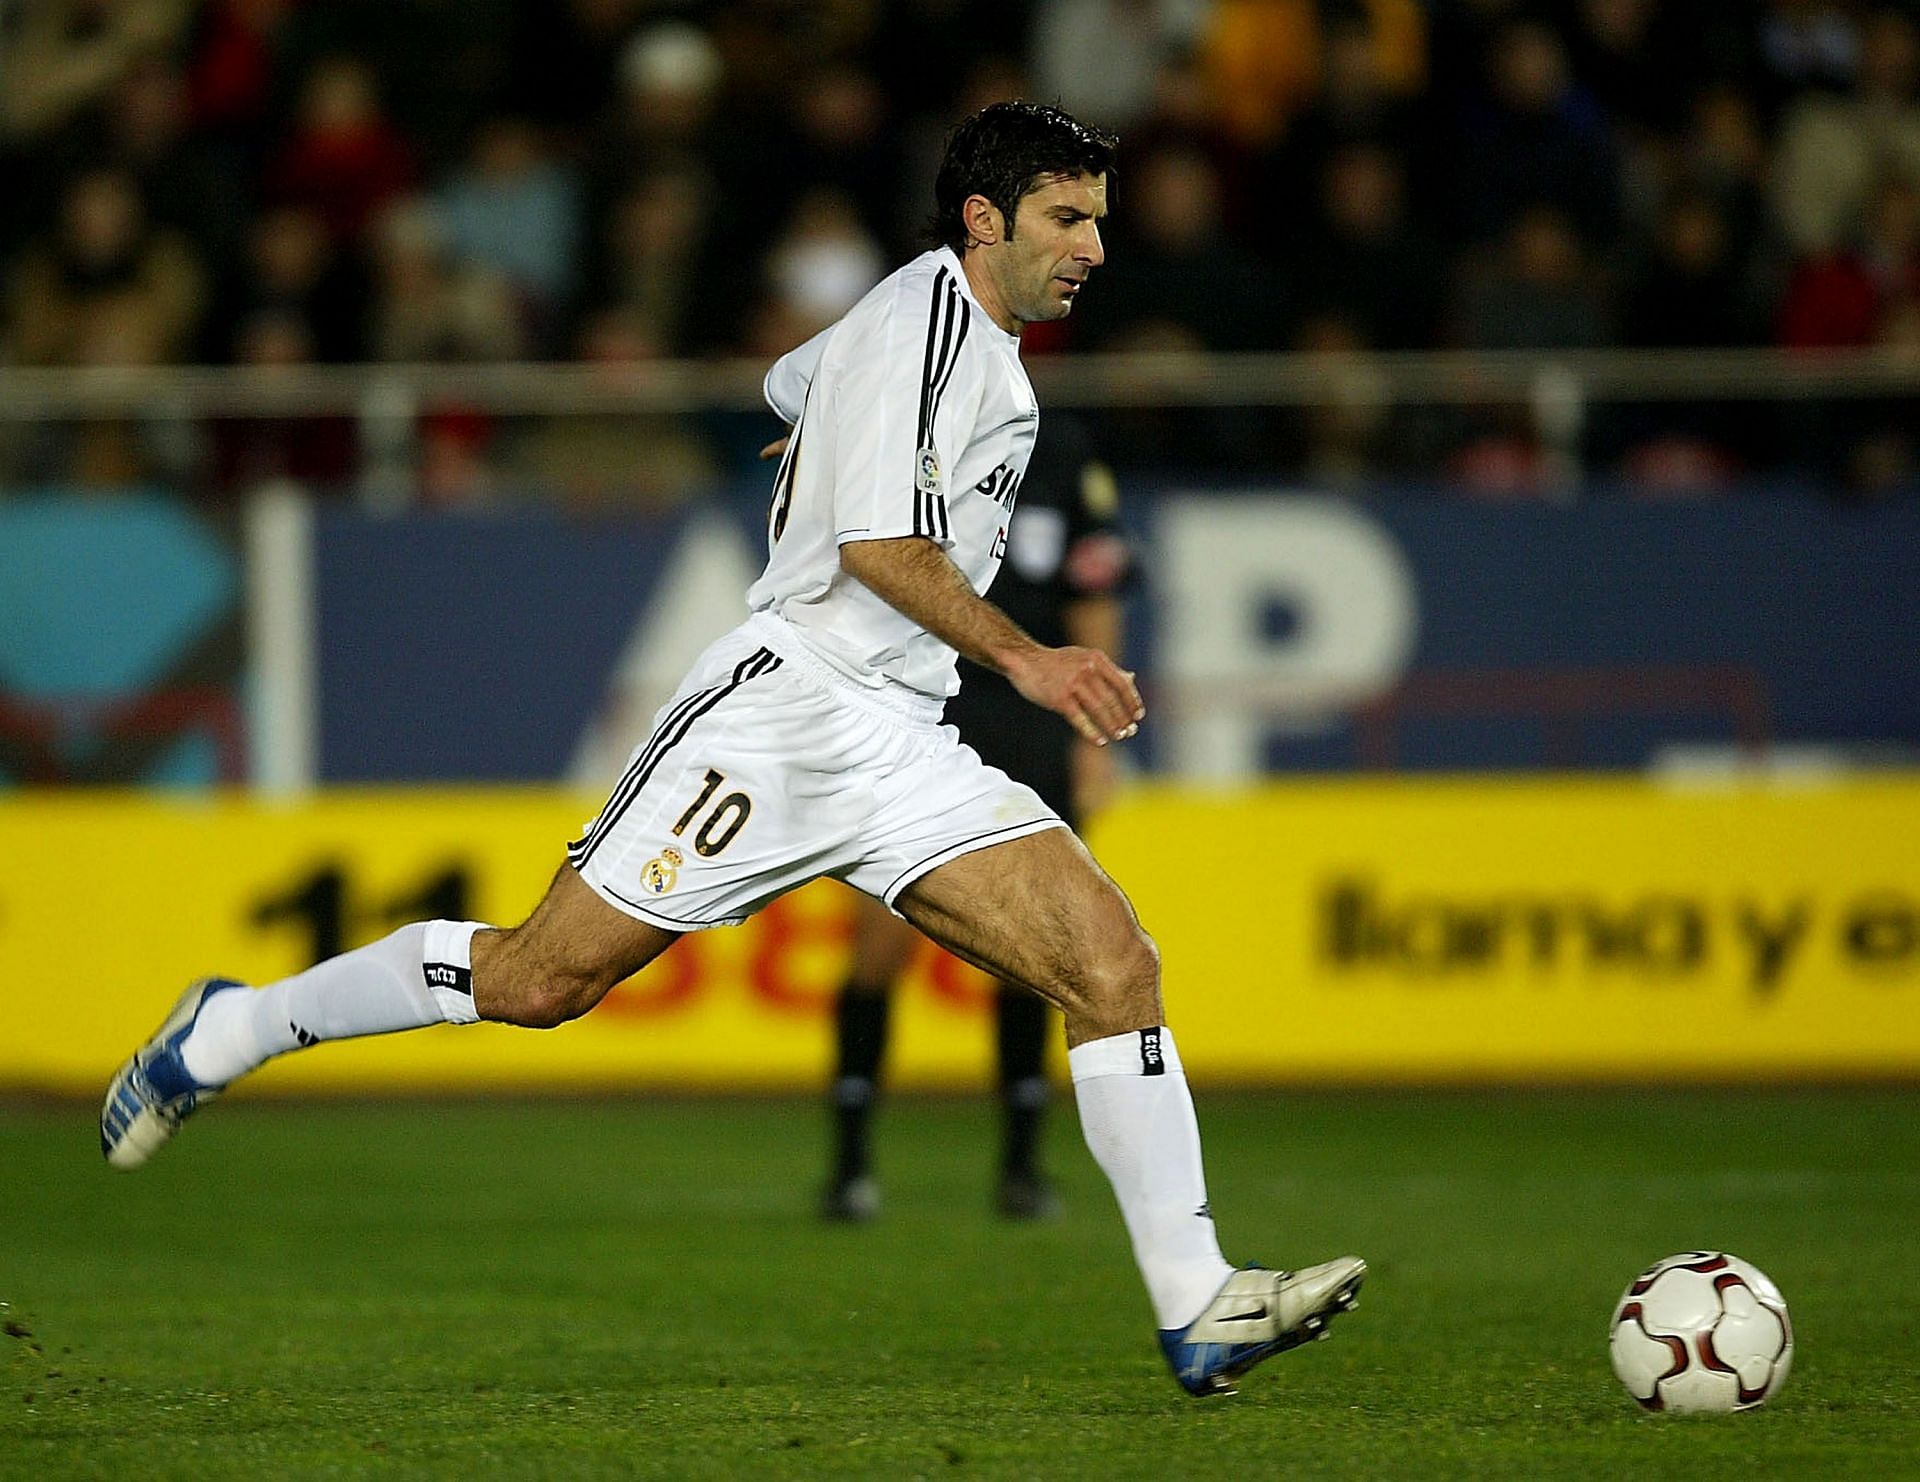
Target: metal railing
<point>1544,379</point>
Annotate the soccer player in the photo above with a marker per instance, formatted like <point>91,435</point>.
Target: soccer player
<point>808,742</point>
<point>1066,562</point>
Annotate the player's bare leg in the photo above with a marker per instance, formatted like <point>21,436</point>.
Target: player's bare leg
<point>554,967</point>
<point>567,956</point>
<point>1040,911</point>
<point>883,949</point>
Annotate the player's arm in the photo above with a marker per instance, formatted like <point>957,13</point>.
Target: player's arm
<point>914,576</point>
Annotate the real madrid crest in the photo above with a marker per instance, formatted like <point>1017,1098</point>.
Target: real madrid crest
<point>662,872</point>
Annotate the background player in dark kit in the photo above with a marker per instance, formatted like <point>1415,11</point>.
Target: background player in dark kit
<point>1067,561</point>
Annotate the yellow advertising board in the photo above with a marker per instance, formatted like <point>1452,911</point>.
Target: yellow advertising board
<point>1454,930</point>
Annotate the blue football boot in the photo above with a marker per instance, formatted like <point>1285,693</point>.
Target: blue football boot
<point>152,1094</point>
<point>1257,1314</point>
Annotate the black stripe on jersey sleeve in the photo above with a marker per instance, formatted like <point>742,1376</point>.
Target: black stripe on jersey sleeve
<point>931,364</point>
<point>965,320</point>
<point>949,315</point>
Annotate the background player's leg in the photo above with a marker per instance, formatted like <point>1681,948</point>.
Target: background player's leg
<point>1039,911</point>
<point>1022,1022</point>
<point>883,945</point>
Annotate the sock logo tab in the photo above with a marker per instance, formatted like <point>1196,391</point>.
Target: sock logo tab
<point>1152,1062</point>
<point>447,975</point>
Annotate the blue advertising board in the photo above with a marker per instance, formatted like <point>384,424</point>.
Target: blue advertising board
<point>1279,632</point>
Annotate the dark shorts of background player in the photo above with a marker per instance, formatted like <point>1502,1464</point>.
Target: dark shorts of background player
<point>1029,744</point>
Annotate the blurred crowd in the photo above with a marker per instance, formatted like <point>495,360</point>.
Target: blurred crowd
<point>274,182</point>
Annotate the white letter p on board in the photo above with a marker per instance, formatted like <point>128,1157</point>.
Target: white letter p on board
<point>1275,614</point>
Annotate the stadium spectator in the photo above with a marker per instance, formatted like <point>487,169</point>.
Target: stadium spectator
<point>1459,41</point>
<point>67,55</point>
<point>1638,59</point>
<point>840,137</point>
<point>1534,138</point>
<point>1363,261</point>
<point>233,57</point>
<point>1179,269</point>
<point>1345,441</point>
<point>1833,149</point>
<point>1831,301</point>
<point>670,87</point>
<point>663,118</point>
<point>1401,142</point>
<point>1856,295</point>
<point>650,264</point>
<point>566,60</point>
<point>514,210</point>
<point>968,36</point>
<point>1690,289</point>
<point>343,159</point>
<point>106,287</point>
<point>1798,46</point>
<point>141,127</point>
<point>1723,155</point>
<point>1535,294</point>
<point>1354,102</point>
<point>1267,58</point>
<point>439,67</point>
<point>318,453</point>
<point>817,269</point>
<point>426,306</point>
<point>292,268</point>
<point>596,463</point>
<point>1101,58</point>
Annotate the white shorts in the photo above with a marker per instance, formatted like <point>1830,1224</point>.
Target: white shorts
<point>770,768</point>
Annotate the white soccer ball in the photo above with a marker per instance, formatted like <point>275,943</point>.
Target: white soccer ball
<point>1701,1333</point>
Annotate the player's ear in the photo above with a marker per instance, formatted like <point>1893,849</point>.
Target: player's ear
<point>982,220</point>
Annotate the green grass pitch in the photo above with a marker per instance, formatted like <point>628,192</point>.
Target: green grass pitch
<point>639,1289</point>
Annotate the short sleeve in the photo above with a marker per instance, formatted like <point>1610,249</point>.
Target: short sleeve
<point>786,384</point>
<point>904,400</point>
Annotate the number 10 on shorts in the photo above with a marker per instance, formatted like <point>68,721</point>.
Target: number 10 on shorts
<point>722,823</point>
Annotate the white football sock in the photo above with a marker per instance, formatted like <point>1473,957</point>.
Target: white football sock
<point>1137,1116</point>
<point>421,974</point>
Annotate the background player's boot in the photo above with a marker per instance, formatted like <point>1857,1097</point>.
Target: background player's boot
<point>852,1201</point>
<point>1257,1314</point>
<point>1025,1194</point>
<point>152,1094</point>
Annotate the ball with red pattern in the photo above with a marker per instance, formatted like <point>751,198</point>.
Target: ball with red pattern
<point>1702,1332</point>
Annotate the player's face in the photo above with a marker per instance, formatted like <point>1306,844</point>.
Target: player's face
<point>1055,245</point>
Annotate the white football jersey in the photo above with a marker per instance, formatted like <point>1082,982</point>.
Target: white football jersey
<point>911,416</point>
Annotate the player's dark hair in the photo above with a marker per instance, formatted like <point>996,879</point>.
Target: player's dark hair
<point>1001,152</point>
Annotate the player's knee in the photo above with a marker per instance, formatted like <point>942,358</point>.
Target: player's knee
<point>550,999</point>
<point>1120,986</point>
<point>516,983</point>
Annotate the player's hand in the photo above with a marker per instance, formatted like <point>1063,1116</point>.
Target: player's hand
<point>775,449</point>
<point>1095,694</point>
